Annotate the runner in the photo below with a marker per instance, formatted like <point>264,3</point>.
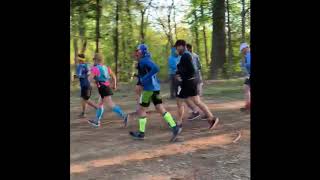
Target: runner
<point>197,64</point>
<point>101,74</point>
<point>85,87</point>
<point>172,67</point>
<point>246,65</point>
<point>187,89</point>
<point>151,92</point>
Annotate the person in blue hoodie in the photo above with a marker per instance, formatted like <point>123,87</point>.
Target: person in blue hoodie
<point>83,72</point>
<point>246,66</point>
<point>147,74</point>
<point>172,67</point>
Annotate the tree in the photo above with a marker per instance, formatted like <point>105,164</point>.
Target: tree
<point>230,52</point>
<point>116,37</point>
<point>218,38</point>
<point>98,16</point>
<point>204,34</point>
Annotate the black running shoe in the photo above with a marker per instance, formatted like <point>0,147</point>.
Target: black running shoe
<point>194,116</point>
<point>213,122</point>
<point>175,131</point>
<point>125,120</point>
<point>137,135</point>
<point>94,123</point>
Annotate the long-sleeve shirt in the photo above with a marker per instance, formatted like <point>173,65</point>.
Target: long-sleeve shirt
<point>185,67</point>
<point>147,72</point>
<point>247,63</point>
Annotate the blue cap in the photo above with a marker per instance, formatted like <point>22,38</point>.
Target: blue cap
<point>143,48</point>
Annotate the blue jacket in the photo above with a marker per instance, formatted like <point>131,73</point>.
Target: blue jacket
<point>173,61</point>
<point>148,74</point>
<point>247,63</point>
<point>83,74</point>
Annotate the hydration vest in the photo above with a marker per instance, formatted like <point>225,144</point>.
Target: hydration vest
<point>103,75</point>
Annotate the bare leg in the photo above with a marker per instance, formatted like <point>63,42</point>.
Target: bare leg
<point>247,95</point>
<point>180,105</point>
<point>204,108</point>
<point>192,106</point>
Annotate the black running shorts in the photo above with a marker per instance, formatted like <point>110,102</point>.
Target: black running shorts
<point>86,92</point>
<point>187,88</point>
<point>105,91</point>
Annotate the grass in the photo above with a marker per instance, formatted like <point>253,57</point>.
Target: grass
<point>226,89</point>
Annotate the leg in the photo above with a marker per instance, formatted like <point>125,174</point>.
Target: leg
<point>142,113</point>
<point>204,108</point>
<point>180,105</point>
<point>115,108</point>
<point>195,110</point>
<point>172,86</point>
<point>247,96</point>
<point>212,120</point>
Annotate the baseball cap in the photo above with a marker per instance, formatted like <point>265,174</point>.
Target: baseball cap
<point>243,45</point>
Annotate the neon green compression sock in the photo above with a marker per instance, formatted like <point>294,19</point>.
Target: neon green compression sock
<point>169,119</point>
<point>142,124</point>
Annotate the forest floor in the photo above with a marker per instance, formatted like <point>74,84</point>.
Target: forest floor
<point>109,153</point>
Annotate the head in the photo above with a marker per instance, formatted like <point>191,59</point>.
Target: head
<point>180,45</point>
<point>141,51</point>
<point>189,47</point>
<point>244,48</point>
<point>98,58</point>
<point>81,58</point>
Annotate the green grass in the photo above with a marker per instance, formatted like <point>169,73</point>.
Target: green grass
<point>228,89</point>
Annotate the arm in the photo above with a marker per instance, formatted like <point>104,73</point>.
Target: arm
<point>154,69</point>
<point>114,78</point>
<point>172,64</point>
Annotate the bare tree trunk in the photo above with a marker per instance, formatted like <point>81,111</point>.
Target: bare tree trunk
<point>243,22</point>
<point>174,20</point>
<point>116,39</point>
<point>196,31</point>
<point>204,36</point>
<point>169,24</point>
<point>98,14</point>
<point>142,26</point>
<point>82,29</point>
<point>218,38</point>
<point>75,47</point>
<point>230,52</point>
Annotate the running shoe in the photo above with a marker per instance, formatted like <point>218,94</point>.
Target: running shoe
<point>194,116</point>
<point>137,135</point>
<point>94,123</point>
<point>175,131</point>
<point>213,122</point>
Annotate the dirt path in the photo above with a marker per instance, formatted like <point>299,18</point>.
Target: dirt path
<point>109,152</point>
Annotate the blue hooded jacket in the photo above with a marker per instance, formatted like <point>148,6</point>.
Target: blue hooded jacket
<point>247,64</point>
<point>173,61</point>
<point>148,73</point>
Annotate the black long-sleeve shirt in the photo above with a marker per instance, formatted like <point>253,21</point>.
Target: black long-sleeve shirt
<point>185,67</point>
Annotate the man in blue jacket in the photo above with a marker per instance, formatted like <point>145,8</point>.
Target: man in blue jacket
<point>147,74</point>
<point>172,67</point>
<point>246,66</point>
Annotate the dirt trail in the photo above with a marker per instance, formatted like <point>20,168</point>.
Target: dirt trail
<point>109,153</point>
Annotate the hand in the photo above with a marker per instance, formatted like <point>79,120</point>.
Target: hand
<point>178,77</point>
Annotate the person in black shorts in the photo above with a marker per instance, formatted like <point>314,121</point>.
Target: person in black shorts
<point>187,88</point>
<point>85,87</point>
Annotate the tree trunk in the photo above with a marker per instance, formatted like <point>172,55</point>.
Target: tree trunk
<point>218,38</point>
<point>230,52</point>
<point>98,14</point>
<point>142,27</point>
<point>116,38</point>
<point>170,39</point>
<point>75,47</point>
<point>82,29</point>
<point>204,37</point>
<point>174,20</point>
<point>196,31</point>
<point>243,22</point>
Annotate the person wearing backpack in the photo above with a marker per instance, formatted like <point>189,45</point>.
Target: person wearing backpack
<point>102,74</point>
<point>85,87</point>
